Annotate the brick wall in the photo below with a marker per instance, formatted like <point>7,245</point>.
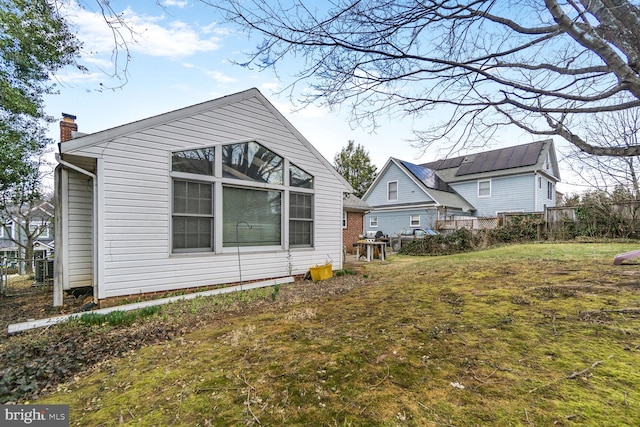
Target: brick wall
<point>67,125</point>
<point>351,234</point>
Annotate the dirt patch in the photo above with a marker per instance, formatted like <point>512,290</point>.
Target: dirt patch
<point>35,362</point>
<point>34,302</point>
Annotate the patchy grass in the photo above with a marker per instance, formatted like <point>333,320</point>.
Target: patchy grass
<point>518,335</point>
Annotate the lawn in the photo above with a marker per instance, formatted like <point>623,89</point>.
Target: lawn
<point>527,335</point>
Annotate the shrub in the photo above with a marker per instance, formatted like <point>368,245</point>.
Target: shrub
<point>461,240</point>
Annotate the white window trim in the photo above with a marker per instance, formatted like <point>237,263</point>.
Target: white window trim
<point>550,190</point>
<point>411,221</point>
<point>344,219</point>
<point>218,182</point>
<point>490,188</point>
<point>373,222</point>
<point>388,192</point>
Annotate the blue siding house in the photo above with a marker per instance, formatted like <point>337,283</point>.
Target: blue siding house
<point>404,195</point>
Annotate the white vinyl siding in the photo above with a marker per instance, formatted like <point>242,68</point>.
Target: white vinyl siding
<point>137,202</point>
<point>78,232</point>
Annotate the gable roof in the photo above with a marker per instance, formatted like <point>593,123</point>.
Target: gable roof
<point>503,161</point>
<point>85,140</point>
<point>427,180</point>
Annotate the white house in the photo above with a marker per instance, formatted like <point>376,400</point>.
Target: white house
<point>216,193</point>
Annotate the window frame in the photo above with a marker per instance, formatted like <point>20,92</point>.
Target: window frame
<point>550,190</point>
<point>345,219</point>
<point>299,220</point>
<point>389,191</point>
<point>373,221</point>
<point>482,181</point>
<point>176,215</point>
<point>219,180</point>
<point>412,222</point>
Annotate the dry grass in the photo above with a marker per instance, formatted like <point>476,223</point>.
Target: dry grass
<point>521,335</point>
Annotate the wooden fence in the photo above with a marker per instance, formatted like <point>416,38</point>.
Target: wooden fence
<point>622,219</point>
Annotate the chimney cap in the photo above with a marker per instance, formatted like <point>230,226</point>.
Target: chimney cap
<point>68,117</point>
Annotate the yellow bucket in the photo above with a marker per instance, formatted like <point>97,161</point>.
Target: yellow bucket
<point>321,272</point>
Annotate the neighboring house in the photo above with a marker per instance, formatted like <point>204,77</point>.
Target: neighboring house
<point>176,201</point>
<point>404,195</point>
<point>353,210</point>
<point>38,220</point>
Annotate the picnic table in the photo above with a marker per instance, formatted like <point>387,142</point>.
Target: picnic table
<point>371,249</point>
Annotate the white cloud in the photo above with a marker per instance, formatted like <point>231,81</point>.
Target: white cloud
<point>218,76</point>
<point>221,77</point>
<point>73,77</point>
<point>270,86</point>
<point>176,3</point>
<point>150,35</point>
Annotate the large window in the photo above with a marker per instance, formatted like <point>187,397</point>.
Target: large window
<point>234,195</point>
<point>192,216</point>
<point>300,219</point>
<point>251,217</point>
<point>252,162</point>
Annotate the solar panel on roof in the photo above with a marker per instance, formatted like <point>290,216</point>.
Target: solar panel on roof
<point>506,158</point>
<point>444,163</point>
<point>427,176</point>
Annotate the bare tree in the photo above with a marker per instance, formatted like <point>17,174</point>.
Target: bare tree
<point>24,215</point>
<point>618,128</point>
<point>540,65</point>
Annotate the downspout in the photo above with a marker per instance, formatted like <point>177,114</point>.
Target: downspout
<point>94,180</point>
<point>535,191</point>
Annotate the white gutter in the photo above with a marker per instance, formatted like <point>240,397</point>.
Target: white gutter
<point>95,226</point>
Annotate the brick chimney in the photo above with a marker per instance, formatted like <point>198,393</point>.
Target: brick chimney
<point>67,126</point>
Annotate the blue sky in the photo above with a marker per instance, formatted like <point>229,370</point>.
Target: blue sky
<point>182,54</point>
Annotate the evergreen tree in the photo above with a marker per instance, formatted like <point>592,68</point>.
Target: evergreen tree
<point>354,164</point>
